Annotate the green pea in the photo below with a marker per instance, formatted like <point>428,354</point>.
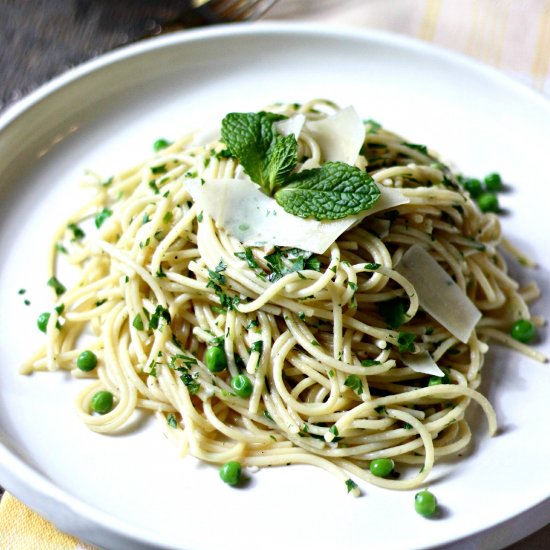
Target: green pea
<point>493,182</point>
<point>425,503</point>
<point>42,321</point>
<point>215,359</point>
<point>230,472</point>
<point>523,331</point>
<point>381,467</point>
<point>241,385</point>
<point>488,202</point>
<point>86,361</point>
<point>473,186</point>
<point>102,402</point>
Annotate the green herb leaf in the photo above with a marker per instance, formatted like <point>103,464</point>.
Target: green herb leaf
<point>393,312</point>
<point>253,323</point>
<point>405,342</point>
<point>158,169</point>
<point>418,147</point>
<point>369,362</point>
<point>190,381</point>
<point>354,382</point>
<point>160,144</point>
<point>351,485</point>
<point>373,126</point>
<point>281,262</point>
<point>333,191</point>
<point>248,257</point>
<point>266,156</point>
<point>172,422</point>
<point>258,346</point>
<point>56,285</point>
<point>217,277</point>
<point>137,323</point>
<point>78,234</point>
<point>102,216</point>
<point>161,313</point>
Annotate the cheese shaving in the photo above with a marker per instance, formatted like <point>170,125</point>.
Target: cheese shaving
<point>438,294</point>
<point>422,362</point>
<point>340,136</point>
<point>249,215</point>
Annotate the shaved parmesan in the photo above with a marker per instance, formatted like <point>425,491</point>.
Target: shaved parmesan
<point>292,125</point>
<point>438,294</point>
<point>422,362</point>
<point>249,215</point>
<point>339,136</point>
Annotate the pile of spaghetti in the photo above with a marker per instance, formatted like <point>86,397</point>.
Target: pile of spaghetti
<point>341,360</point>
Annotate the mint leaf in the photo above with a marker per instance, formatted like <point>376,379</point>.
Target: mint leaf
<point>333,191</point>
<point>266,156</point>
<point>281,160</point>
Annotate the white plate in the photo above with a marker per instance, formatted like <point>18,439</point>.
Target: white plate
<point>133,489</point>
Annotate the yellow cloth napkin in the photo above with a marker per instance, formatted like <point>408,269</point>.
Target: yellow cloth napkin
<point>22,529</point>
<point>512,35</point>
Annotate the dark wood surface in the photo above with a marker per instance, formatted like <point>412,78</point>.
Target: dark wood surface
<point>40,39</point>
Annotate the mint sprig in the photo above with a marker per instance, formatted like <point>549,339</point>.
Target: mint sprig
<point>333,191</point>
<point>266,156</point>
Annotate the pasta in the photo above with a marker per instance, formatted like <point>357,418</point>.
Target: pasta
<point>327,341</point>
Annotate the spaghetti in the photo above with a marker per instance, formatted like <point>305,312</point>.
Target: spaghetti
<point>323,339</point>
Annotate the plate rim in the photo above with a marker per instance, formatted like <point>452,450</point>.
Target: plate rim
<point>31,486</point>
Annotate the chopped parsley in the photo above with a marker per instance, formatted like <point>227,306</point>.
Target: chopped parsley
<point>253,323</point>
<point>172,422</point>
<point>281,262</point>
<point>373,126</point>
<point>158,169</point>
<point>56,285</point>
<point>369,362</point>
<point>190,381</point>
<point>393,312</point>
<point>160,144</point>
<point>418,147</point>
<point>102,216</point>
<point>258,346</point>
<point>248,257</point>
<point>78,233</point>
<point>160,314</point>
<point>405,342</point>
<point>137,323</point>
<point>351,485</point>
<point>354,382</point>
